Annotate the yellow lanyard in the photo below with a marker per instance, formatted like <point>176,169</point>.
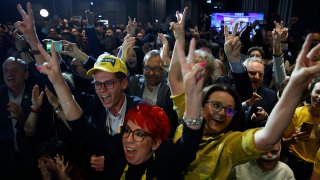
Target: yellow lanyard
<point>123,177</point>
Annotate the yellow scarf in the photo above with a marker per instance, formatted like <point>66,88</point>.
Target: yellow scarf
<point>123,177</point>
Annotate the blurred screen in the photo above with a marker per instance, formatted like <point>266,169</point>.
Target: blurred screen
<point>218,20</point>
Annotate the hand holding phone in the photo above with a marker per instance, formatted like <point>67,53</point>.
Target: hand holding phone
<point>306,127</point>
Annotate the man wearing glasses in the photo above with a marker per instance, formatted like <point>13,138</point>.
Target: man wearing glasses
<point>110,81</point>
<point>109,107</point>
<point>153,86</point>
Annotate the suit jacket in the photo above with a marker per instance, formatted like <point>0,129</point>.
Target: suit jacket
<point>269,100</point>
<point>244,87</point>
<point>26,144</point>
<point>136,87</point>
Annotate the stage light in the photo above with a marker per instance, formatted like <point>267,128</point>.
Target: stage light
<point>44,13</point>
<point>91,3</point>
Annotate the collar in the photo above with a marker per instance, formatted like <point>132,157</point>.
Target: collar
<point>121,113</point>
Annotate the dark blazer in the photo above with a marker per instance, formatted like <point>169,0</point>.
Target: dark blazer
<point>269,100</point>
<point>244,88</point>
<point>8,161</point>
<point>136,87</point>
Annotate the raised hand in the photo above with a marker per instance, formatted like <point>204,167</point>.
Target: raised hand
<point>254,99</point>
<point>131,27</point>
<point>53,100</point>
<point>51,67</point>
<point>281,31</point>
<point>128,43</point>
<point>37,97</point>
<point>61,167</point>
<point>306,69</point>
<point>90,18</point>
<point>72,50</point>
<point>26,26</point>
<point>232,44</point>
<point>178,27</point>
<point>19,40</point>
<point>193,79</point>
<point>164,51</point>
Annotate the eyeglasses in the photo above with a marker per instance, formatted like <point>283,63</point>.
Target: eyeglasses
<point>107,84</point>
<point>138,135</point>
<point>156,70</point>
<point>217,106</point>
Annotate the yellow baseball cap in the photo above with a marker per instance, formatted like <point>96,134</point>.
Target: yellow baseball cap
<point>108,63</point>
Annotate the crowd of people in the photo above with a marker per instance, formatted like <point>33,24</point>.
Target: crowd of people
<point>82,100</point>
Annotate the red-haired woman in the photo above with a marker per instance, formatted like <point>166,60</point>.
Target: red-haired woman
<point>146,152</point>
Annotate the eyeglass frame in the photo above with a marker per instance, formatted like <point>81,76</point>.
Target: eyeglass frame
<point>104,84</point>
<point>134,134</point>
<point>155,69</point>
<point>222,107</point>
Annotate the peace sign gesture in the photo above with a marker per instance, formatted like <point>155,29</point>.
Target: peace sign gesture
<point>305,68</point>
<point>27,26</point>
<point>178,27</point>
<point>193,80</point>
<point>132,26</point>
<point>51,67</point>
<point>193,73</point>
<point>232,44</point>
<point>281,31</point>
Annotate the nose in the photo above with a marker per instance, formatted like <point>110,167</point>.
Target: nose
<point>222,112</point>
<point>130,138</point>
<point>151,71</point>
<point>257,75</point>
<point>269,154</point>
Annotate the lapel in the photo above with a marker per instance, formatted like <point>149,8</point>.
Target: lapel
<point>26,99</point>
<point>161,96</point>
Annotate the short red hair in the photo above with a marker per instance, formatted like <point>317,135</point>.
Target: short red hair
<point>151,118</point>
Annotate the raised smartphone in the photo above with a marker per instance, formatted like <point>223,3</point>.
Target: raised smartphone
<point>57,44</point>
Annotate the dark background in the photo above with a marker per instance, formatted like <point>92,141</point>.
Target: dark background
<point>117,11</point>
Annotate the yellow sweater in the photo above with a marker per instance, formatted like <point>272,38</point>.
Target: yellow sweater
<point>304,150</point>
<point>218,155</point>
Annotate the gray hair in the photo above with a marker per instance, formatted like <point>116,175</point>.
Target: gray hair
<point>252,59</point>
<point>22,63</point>
<point>151,54</point>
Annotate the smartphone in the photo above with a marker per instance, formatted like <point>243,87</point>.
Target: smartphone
<point>306,127</point>
<point>57,44</point>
